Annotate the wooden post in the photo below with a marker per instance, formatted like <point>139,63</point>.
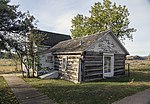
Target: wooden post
<point>128,69</point>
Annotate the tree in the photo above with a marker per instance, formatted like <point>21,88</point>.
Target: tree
<point>13,24</point>
<point>103,17</point>
<point>31,59</point>
<point>14,29</point>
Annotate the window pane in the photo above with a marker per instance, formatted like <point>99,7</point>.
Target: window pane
<point>107,64</point>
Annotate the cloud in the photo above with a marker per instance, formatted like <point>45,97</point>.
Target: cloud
<point>63,23</point>
<point>56,15</point>
<point>138,48</point>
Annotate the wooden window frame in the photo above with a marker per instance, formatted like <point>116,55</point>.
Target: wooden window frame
<point>64,62</point>
<point>112,63</point>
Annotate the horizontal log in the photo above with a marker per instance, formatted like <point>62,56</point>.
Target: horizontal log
<point>116,57</point>
<point>119,61</point>
<point>69,67</point>
<point>72,61</point>
<point>118,70</point>
<point>90,53</point>
<point>94,65</point>
<point>69,74</point>
<point>92,58</point>
<point>119,64</point>
<point>93,62</point>
<point>117,67</point>
<point>93,74</point>
<point>98,69</point>
<point>73,57</point>
<point>60,62</point>
<point>72,67</point>
<point>119,55</point>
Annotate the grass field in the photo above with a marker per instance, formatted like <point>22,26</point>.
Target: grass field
<point>8,66</point>
<point>6,96</point>
<point>102,92</point>
<point>139,65</point>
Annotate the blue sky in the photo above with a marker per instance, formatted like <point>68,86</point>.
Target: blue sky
<point>56,15</point>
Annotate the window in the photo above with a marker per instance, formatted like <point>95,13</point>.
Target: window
<point>49,58</point>
<point>64,63</point>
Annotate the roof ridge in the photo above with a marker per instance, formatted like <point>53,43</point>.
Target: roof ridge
<point>51,32</point>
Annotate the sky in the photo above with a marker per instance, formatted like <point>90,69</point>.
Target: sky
<point>56,15</point>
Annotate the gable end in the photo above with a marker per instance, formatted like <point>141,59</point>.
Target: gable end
<point>108,43</point>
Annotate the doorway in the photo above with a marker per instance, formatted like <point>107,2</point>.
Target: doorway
<point>108,65</point>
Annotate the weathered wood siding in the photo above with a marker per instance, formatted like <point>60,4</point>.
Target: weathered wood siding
<point>71,73</point>
<point>92,66</point>
<point>119,64</point>
<point>43,62</point>
<point>106,44</point>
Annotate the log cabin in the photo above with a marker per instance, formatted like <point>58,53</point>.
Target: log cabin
<point>49,40</point>
<point>89,58</point>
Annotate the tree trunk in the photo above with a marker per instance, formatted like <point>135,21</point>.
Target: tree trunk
<point>21,62</point>
<point>33,66</point>
<point>28,73</point>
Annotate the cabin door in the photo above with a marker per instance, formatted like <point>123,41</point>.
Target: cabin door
<point>108,65</point>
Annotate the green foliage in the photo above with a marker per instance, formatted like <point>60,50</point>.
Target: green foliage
<point>31,59</point>
<point>103,17</point>
<point>6,95</point>
<point>16,32</point>
<point>13,24</point>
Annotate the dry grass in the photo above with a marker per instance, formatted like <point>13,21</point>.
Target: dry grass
<point>8,66</point>
<point>139,65</point>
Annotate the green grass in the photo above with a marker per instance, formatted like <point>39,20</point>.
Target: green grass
<point>103,92</point>
<point>6,96</point>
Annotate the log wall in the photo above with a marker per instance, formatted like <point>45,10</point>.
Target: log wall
<point>119,64</point>
<point>92,66</point>
<point>87,68</point>
<point>71,72</point>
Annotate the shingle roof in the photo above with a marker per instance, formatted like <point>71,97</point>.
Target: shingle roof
<point>80,44</point>
<point>51,38</point>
